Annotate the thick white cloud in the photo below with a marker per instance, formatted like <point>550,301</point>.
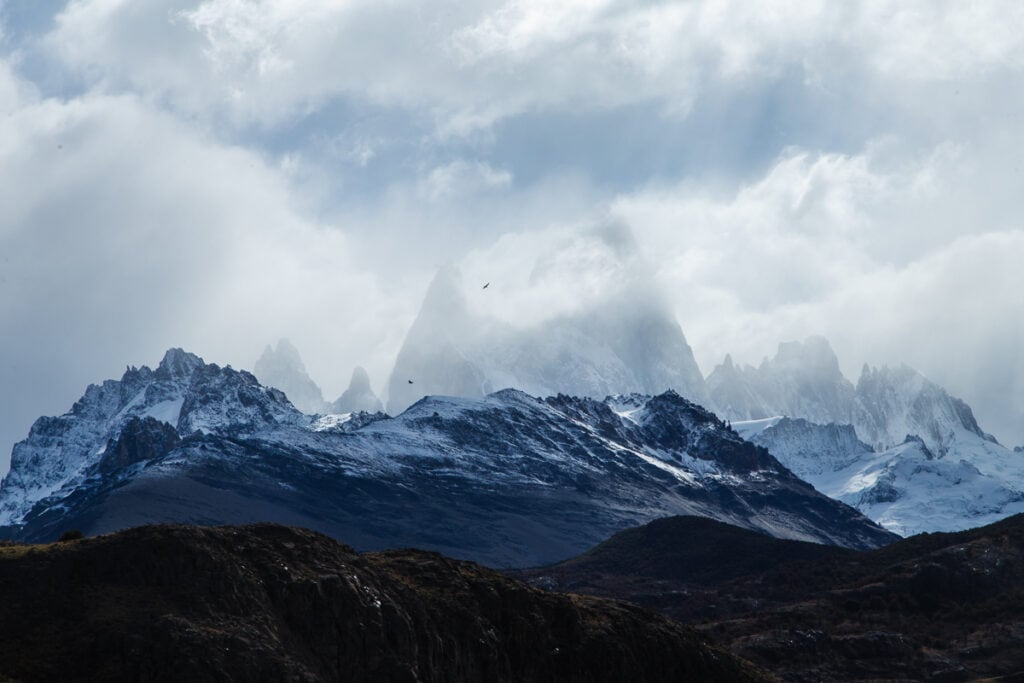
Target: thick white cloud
<point>893,263</point>
<point>219,173</point>
<point>125,232</point>
<point>469,64</point>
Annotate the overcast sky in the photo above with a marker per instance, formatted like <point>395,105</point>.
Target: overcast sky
<point>218,174</point>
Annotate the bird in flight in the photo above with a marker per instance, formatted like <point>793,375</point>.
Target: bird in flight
<point>410,381</point>
<point>486,286</point>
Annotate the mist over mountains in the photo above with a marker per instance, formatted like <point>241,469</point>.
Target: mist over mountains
<point>629,344</point>
<point>895,445</point>
<point>282,367</point>
<point>632,343</point>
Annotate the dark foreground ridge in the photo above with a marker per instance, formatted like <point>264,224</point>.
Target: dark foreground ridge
<point>945,607</point>
<point>272,603</point>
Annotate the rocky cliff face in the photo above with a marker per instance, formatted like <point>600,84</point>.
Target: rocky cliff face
<point>60,453</point>
<point>907,488</point>
<point>507,479</point>
<point>803,380</point>
<point>810,450</point>
<point>359,397</point>
<point>269,603</point>
<point>895,402</point>
<point>621,347</point>
<point>282,368</point>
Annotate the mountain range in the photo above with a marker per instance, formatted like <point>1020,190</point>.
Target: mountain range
<point>281,367</point>
<point>803,380</point>
<point>895,445</point>
<point>907,488</point>
<point>507,479</point>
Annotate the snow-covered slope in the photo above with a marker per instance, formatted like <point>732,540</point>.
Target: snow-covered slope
<point>359,397</point>
<point>282,368</point>
<point>809,450</point>
<point>622,346</point>
<point>504,479</point>
<point>894,402</point>
<point>803,380</point>
<point>183,392</point>
<point>907,488</point>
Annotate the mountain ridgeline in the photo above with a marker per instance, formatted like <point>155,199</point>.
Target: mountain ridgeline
<point>861,443</point>
<point>271,603</point>
<point>282,368</point>
<point>942,607</point>
<point>803,380</point>
<point>506,479</point>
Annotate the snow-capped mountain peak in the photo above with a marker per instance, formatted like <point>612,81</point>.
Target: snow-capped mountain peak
<point>907,488</point>
<point>894,402</point>
<point>629,343</point>
<point>507,478</point>
<point>177,364</point>
<point>183,392</point>
<point>803,380</point>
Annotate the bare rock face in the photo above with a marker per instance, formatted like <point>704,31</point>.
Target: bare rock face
<point>803,380</point>
<point>629,344</point>
<point>271,603</point>
<point>282,368</point>
<point>359,397</point>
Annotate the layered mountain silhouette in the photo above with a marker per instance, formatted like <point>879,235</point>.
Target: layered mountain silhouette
<point>507,479</point>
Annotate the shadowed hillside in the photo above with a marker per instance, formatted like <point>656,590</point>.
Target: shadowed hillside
<point>932,607</point>
<point>272,603</point>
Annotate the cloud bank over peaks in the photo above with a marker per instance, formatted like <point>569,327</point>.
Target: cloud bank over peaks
<point>472,64</point>
<point>138,233</point>
<point>570,310</point>
<point>874,251</point>
<point>784,169</point>
<point>539,275</point>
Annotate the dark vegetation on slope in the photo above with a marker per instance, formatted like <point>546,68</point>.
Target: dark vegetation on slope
<point>273,603</point>
<point>947,607</point>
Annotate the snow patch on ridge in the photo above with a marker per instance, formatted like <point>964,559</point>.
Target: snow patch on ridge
<point>748,429</point>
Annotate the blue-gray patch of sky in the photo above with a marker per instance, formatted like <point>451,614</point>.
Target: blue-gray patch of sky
<point>733,134</point>
<point>26,18</point>
<point>365,148</point>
